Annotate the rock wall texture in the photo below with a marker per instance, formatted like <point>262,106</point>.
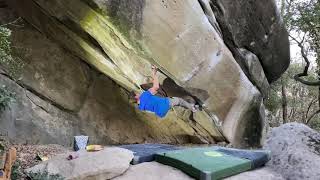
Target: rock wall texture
<point>295,151</point>
<point>59,96</point>
<point>257,27</point>
<point>199,46</point>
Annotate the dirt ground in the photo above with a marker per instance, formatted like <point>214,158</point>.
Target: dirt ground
<point>27,156</point>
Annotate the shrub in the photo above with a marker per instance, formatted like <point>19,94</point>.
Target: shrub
<point>44,176</point>
<point>6,97</point>
<point>9,57</point>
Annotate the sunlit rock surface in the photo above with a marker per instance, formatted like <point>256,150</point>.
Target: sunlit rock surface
<point>122,39</point>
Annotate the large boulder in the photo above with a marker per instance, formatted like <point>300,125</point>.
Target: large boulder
<point>295,154</point>
<point>123,38</point>
<point>30,119</point>
<point>59,96</point>
<point>157,171</point>
<point>105,164</point>
<point>50,71</point>
<point>154,171</point>
<point>261,174</point>
<point>295,151</point>
<point>257,27</point>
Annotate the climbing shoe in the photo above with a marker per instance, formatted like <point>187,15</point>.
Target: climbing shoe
<point>195,108</point>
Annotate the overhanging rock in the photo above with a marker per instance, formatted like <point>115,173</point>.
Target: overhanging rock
<point>123,38</point>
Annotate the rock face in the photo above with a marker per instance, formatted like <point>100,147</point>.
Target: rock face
<point>101,165</point>
<point>154,171</point>
<point>295,151</point>
<point>68,104</point>
<point>157,171</point>
<point>59,96</point>
<point>121,39</point>
<point>33,120</point>
<point>262,174</point>
<point>257,27</point>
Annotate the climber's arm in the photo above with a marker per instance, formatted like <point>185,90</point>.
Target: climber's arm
<point>155,81</point>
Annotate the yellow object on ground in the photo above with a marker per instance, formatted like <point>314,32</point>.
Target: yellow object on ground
<point>42,158</point>
<point>94,148</point>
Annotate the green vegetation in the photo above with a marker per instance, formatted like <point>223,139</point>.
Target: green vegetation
<point>6,97</point>
<point>5,47</point>
<point>304,16</point>
<point>16,172</point>
<point>301,99</point>
<point>296,96</point>
<point>10,62</point>
<point>5,58</point>
<point>44,176</point>
<point>9,57</point>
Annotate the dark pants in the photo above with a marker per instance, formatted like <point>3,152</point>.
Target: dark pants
<point>175,101</point>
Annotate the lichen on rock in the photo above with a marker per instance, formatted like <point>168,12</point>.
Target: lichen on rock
<point>122,39</point>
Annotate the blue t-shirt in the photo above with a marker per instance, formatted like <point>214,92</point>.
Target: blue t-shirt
<point>159,105</point>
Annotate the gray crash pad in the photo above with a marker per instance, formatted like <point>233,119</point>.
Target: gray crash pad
<point>146,152</point>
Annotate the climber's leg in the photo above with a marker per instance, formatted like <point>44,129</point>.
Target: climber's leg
<point>175,101</point>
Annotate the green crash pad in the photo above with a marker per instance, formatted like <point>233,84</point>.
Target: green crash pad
<point>204,163</point>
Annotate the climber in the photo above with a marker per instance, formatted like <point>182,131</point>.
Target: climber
<point>148,101</point>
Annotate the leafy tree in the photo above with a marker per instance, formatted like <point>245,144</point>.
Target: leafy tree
<point>5,47</point>
<point>14,65</point>
<point>6,97</point>
<point>9,57</point>
<point>298,89</point>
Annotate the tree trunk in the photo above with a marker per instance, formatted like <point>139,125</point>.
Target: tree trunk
<point>295,92</point>
<point>319,87</point>
<point>283,6</point>
<point>318,111</point>
<point>284,102</point>
<point>314,100</point>
<point>312,115</point>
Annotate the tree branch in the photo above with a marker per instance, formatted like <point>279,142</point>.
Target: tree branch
<point>284,102</point>
<point>319,96</point>
<point>314,100</point>
<point>11,23</point>
<point>313,115</point>
<point>318,111</point>
<point>297,77</point>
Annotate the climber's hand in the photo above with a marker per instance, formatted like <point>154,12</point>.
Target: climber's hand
<point>156,84</point>
<point>153,67</point>
<point>154,71</point>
